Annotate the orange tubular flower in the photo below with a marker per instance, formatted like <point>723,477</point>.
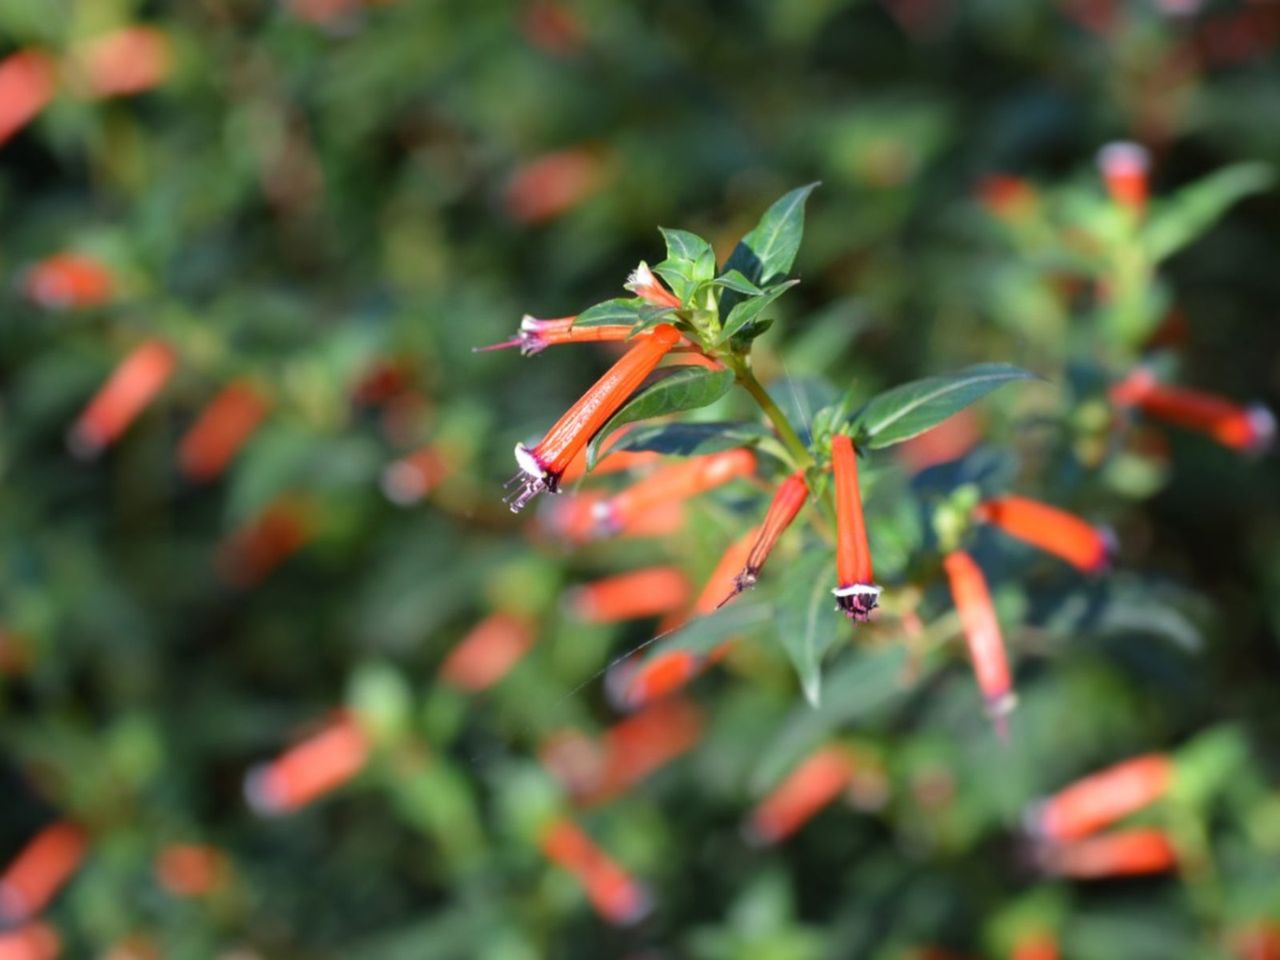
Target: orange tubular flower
<point>1124,169</point>
<point>1259,940</point>
<point>856,594</point>
<point>722,585</point>
<point>409,479</point>
<point>663,674</point>
<point>35,941</point>
<point>787,501</point>
<point>553,184</point>
<point>127,61</point>
<point>486,654</point>
<point>1250,429</point>
<point>982,635</point>
<point>536,335</point>
<point>552,27</point>
<point>646,286</point>
<point>650,592</point>
<point>950,440</point>
<point>251,552</point>
<point>28,79</point>
<point>574,759</point>
<point>658,677</point>
<point>573,518</point>
<point>40,870</point>
<point>1007,197</point>
<point>1088,805</point>
<point>223,427</point>
<point>614,893</point>
<point>675,483</point>
<point>805,791</point>
<point>306,772</point>
<point>637,746</point>
<point>69,280</point>
<point>1084,546</point>
<point>131,386</point>
<point>1036,945</point>
<point>542,465</point>
<point>1124,853</point>
<point>190,869</point>
<point>615,462</point>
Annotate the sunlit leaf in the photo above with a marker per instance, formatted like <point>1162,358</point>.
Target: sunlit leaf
<point>769,250</point>
<point>912,408</point>
<point>623,310</point>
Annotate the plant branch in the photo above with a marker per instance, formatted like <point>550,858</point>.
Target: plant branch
<point>786,432</point>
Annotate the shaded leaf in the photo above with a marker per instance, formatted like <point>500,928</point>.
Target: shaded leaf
<point>857,687</point>
<point>754,328</point>
<point>686,389</point>
<point>912,408</point>
<point>743,617</point>
<point>808,621</point>
<point>750,310</point>
<point>690,439</point>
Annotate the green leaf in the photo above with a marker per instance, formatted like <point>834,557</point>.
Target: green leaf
<point>690,439</point>
<point>623,310</point>
<point>683,245</point>
<point>690,262</point>
<point>749,311</point>
<point>741,618</point>
<point>856,688</point>
<point>770,249</point>
<point>650,317</point>
<point>735,281</point>
<point>753,328</point>
<point>808,621</point>
<point>686,389</point>
<point>1214,759</point>
<point>912,408</point>
<point>1183,217</point>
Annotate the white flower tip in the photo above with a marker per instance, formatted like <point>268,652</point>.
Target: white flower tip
<point>528,462</point>
<point>260,793</point>
<point>640,278</point>
<point>1124,158</point>
<point>858,590</point>
<point>1262,423</point>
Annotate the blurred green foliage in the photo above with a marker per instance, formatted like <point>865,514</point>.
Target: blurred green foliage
<point>310,196</point>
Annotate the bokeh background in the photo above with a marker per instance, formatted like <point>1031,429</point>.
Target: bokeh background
<point>335,201</point>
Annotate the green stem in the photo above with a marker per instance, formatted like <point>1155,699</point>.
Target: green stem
<point>786,433</point>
